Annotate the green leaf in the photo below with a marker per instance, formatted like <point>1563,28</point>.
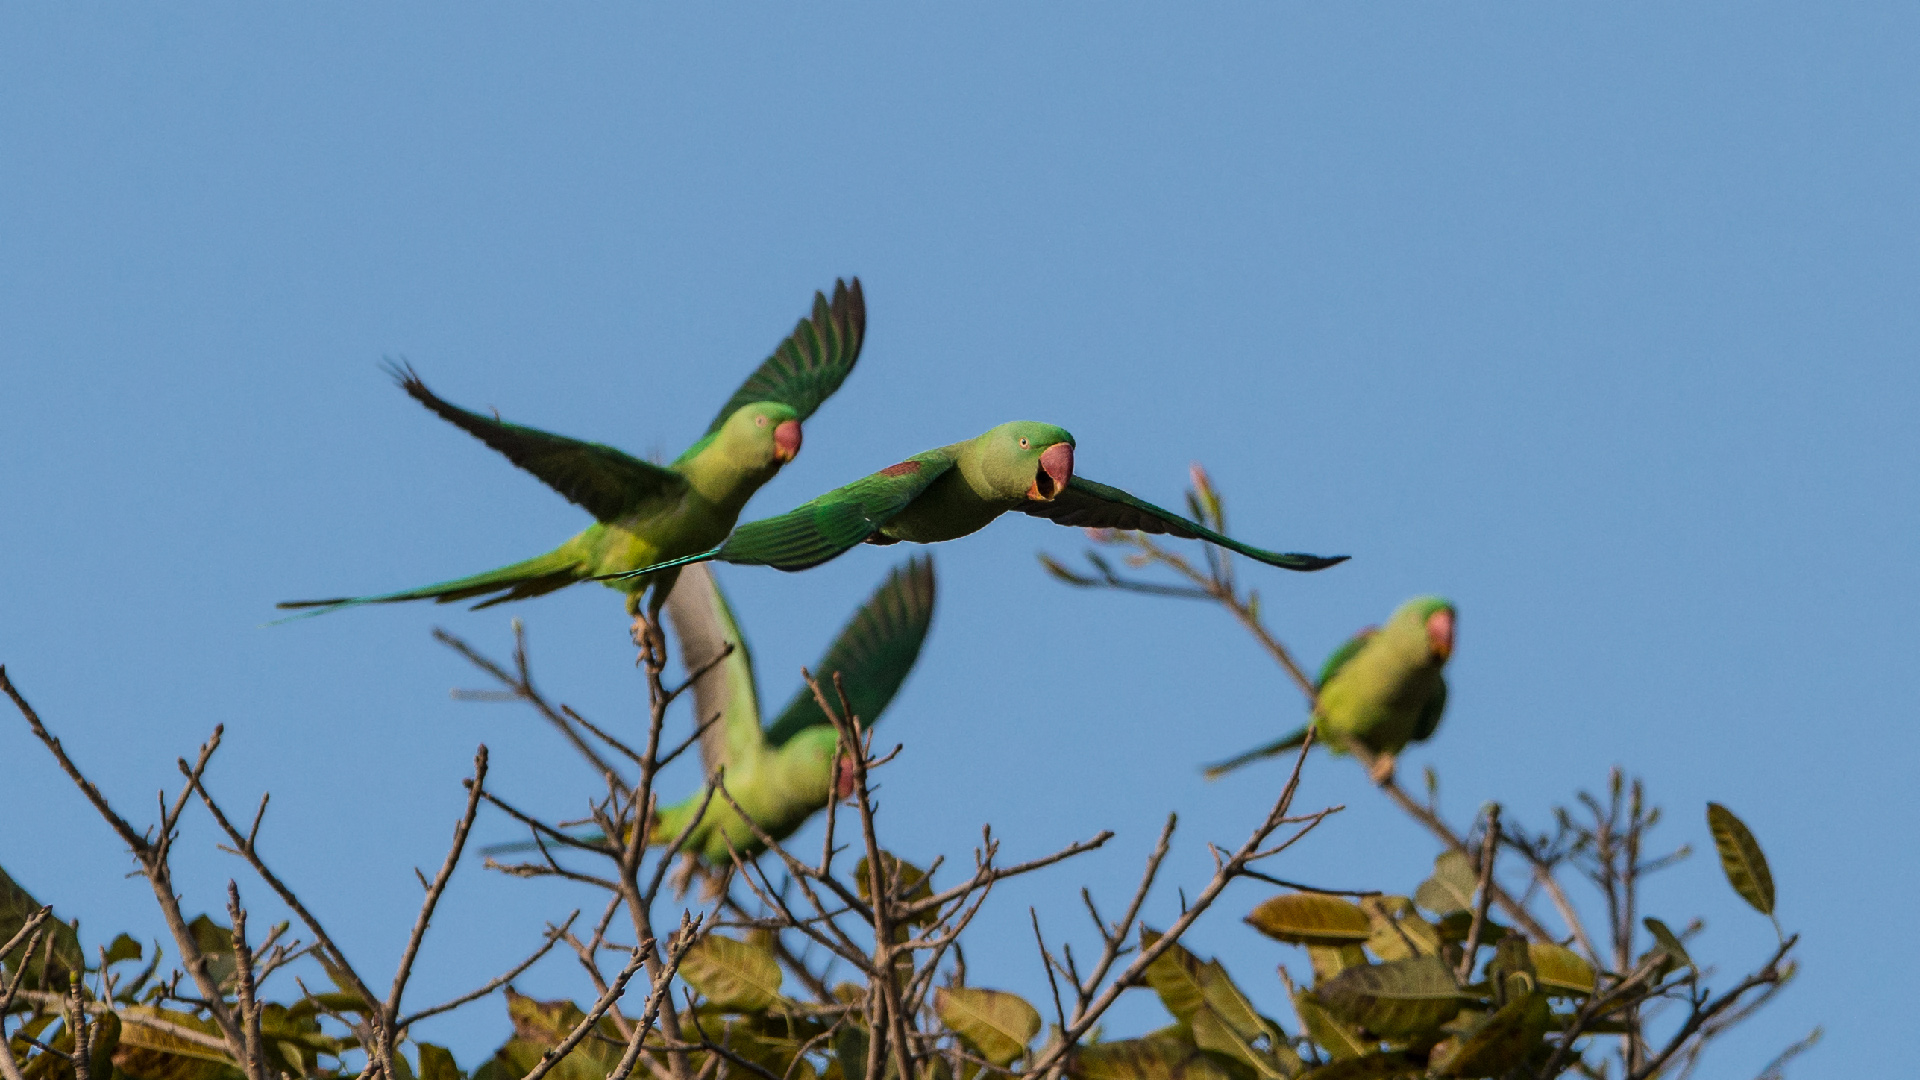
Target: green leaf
<point>1186,985</point>
<point>1668,942</point>
<point>1338,1038</point>
<point>998,1025</point>
<point>1375,1066</point>
<point>1311,919</point>
<point>913,883</point>
<point>216,942</point>
<point>58,941</point>
<point>1274,1061</point>
<point>436,1063</point>
<point>732,974</point>
<point>850,1046</point>
<point>123,947</point>
<point>1456,925</point>
<point>1499,1042</point>
<point>151,1053</point>
<point>1154,1058</point>
<point>1741,858</point>
<point>1396,999</point>
<point>1560,970</point>
<point>1452,886</point>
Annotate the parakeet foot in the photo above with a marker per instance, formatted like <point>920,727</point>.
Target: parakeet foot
<point>1381,770</point>
<point>650,640</point>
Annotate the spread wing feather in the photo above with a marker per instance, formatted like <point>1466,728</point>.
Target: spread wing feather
<point>1089,504</point>
<point>833,523</point>
<point>603,481</point>
<point>873,653</point>
<point>813,361</point>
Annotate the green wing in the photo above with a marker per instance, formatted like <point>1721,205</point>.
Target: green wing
<point>703,625</point>
<point>810,365</point>
<point>1347,651</point>
<point>1089,504</point>
<point>873,653</point>
<point>1430,714</point>
<point>605,482</point>
<point>833,523</point>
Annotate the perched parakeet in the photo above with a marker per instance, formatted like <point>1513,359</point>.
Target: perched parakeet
<point>784,773</point>
<point>1384,688</point>
<point>647,514</point>
<point>949,492</point>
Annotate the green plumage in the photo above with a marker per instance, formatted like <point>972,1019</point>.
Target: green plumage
<point>785,773</point>
<point>644,513</point>
<point>1383,688</point>
<point>955,490</point>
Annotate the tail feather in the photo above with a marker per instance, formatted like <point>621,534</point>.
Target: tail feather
<point>1280,746</point>
<point>533,577</point>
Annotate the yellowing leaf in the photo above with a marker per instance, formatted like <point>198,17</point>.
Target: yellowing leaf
<point>733,975</point>
<point>998,1025</point>
<point>1559,969</point>
<point>1331,1034</point>
<point>1311,919</point>
<point>1397,931</point>
<point>1330,960</point>
<point>1741,858</point>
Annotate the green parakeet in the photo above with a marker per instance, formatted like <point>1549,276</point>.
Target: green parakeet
<point>785,773</point>
<point>648,514</point>
<point>949,492</point>
<point>1384,688</point>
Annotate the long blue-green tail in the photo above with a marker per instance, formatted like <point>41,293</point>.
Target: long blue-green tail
<point>540,574</point>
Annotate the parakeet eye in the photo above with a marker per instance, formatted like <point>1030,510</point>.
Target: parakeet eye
<point>1023,444</point>
<point>760,421</point>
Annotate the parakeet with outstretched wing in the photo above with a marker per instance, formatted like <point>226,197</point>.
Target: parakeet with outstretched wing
<point>1383,688</point>
<point>647,514</point>
<point>786,772</point>
<point>954,490</point>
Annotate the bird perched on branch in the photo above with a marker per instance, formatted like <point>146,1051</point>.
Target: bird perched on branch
<point>1383,689</point>
<point>954,490</point>
<point>648,514</point>
<point>786,772</point>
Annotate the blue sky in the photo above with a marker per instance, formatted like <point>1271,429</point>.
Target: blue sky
<point>1600,320</point>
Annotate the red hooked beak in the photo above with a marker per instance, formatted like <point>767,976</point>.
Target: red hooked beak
<point>1056,468</point>
<point>1440,633</point>
<point>786,441</point>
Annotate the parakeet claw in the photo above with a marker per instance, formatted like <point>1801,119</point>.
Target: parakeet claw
<point>1381,770</point>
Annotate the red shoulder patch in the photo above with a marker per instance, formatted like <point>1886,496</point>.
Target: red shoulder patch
<point>905,468</point>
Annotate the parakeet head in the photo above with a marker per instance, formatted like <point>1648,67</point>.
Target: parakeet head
<point>1025,460</point>
<point>1435,616</point>
<point>762,435</point>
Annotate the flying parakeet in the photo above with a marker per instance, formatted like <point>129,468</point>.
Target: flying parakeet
<point>1383,688</point>
<point>782,774</point>
<point>648,514</point>
<point>949,492</point>
<point>785,773</point>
